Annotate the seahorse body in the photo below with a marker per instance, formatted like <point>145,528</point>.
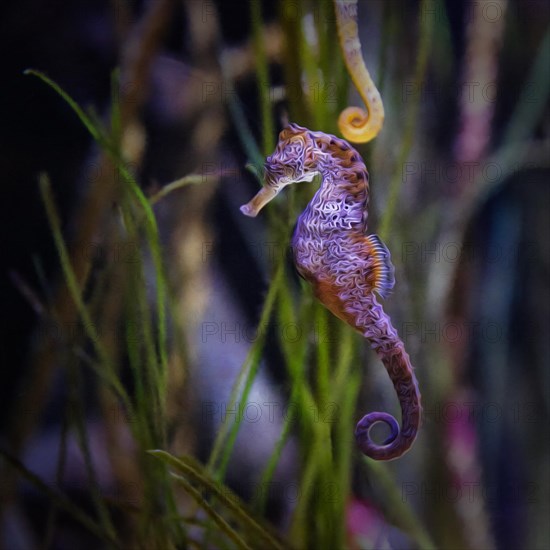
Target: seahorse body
<point>345,267</point>
<point>355,124</point>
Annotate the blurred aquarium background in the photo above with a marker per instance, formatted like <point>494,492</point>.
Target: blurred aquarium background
<point>141,311</point>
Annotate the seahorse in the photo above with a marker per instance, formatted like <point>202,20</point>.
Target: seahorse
<point>346,268</point>
<point>355,124</point>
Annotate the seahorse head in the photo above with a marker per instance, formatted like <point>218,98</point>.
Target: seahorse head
<point>295,159</point>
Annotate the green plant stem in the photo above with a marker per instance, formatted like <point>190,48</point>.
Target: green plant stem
<point>192,179</point>
<point>246,138</point>
<point>218,520</point>
<point>530,109</point>
<point>60,500</point>
<point>426,27</point>
<point>198,474</point>
<point>151,229</point>
<point>401,513</point>
<point>75,291</point>
<point>262,77</point>
<point>247,374</point>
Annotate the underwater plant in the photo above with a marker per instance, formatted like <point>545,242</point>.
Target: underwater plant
<point>194,375</point>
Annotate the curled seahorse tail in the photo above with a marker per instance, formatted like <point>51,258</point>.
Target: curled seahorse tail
<point>391,350</point>
<point>356,124</point>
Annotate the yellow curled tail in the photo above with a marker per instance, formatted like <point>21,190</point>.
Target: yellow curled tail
<point>356,124</point>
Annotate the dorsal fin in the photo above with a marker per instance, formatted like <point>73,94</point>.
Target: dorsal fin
<point>383,276</point>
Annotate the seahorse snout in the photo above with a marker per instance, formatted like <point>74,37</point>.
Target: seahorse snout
<point>262,197</point>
